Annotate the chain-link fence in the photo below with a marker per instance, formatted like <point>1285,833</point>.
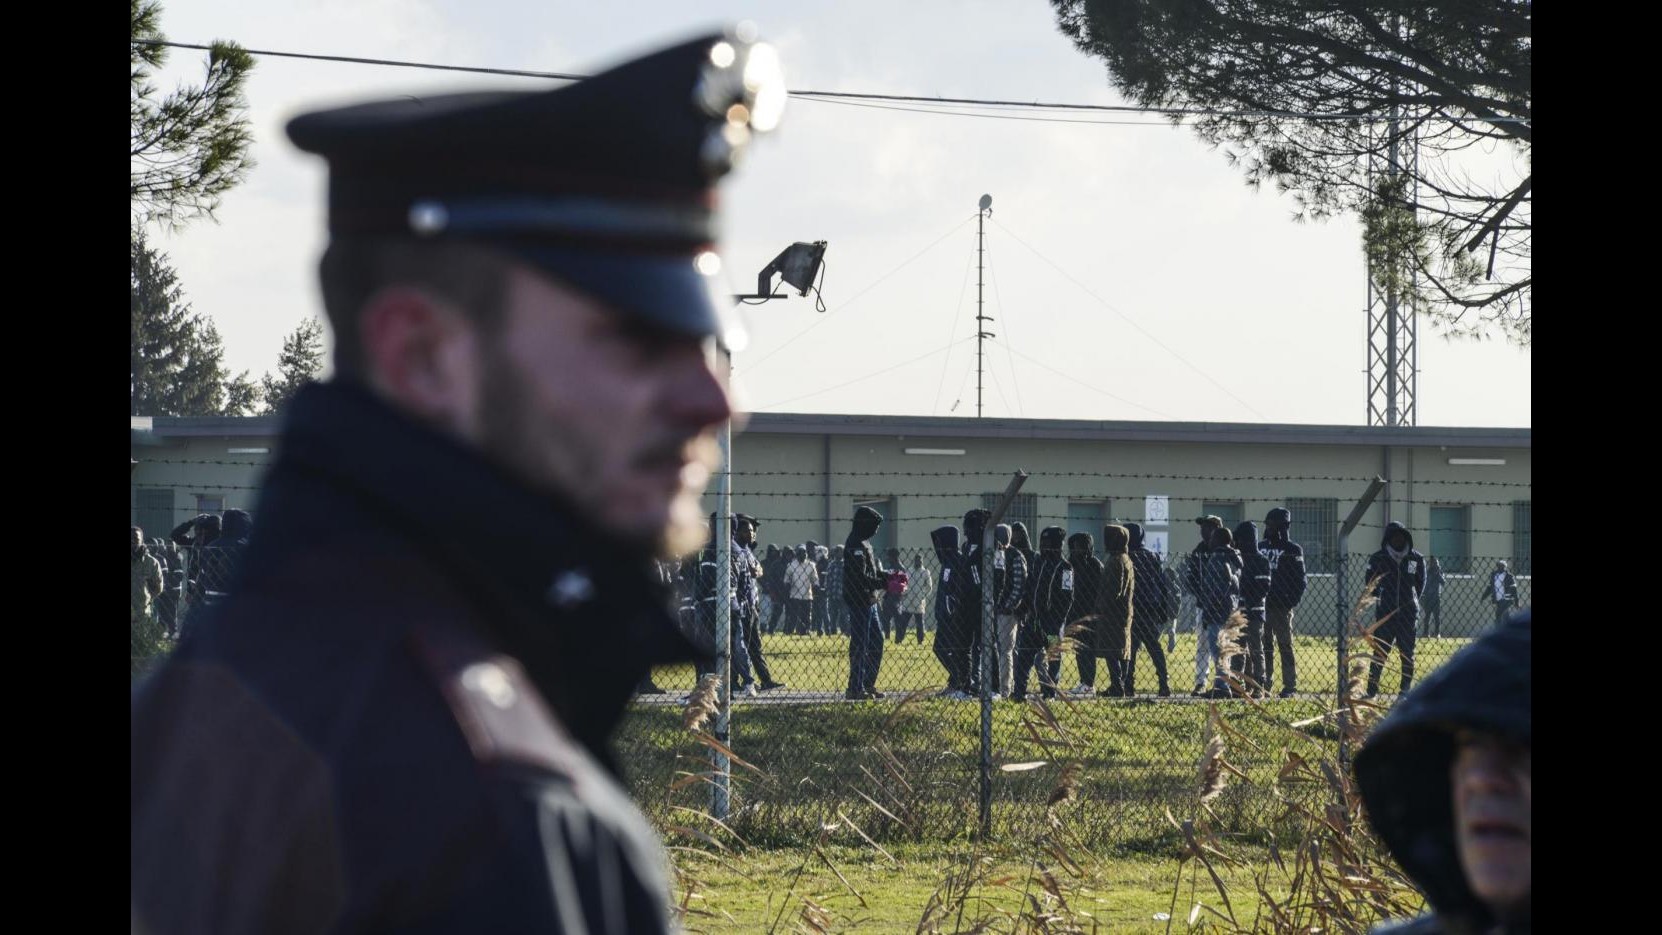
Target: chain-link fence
<point>170,584</point>
<point>909,763</point>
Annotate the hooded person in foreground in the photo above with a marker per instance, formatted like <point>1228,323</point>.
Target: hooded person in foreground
<point>1447,777</point>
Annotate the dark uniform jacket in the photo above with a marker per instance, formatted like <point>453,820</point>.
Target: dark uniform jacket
<point>1400,581</point>
<point>860,575</point>
<point>399,721</point>
<point>1402,770</point>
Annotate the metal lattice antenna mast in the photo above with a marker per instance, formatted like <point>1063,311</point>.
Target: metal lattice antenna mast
<point>981,332</point>
<point>1393,325</point>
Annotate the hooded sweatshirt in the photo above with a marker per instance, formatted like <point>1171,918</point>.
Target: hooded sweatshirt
<point>1021,543</point>
<point>1286,557</point>
<point>1402,770</point>
<point>1153,600</point>
<point>1087,584</point>
<point>1010,572</point>
<point>951,595</point>
<point>1053,585</point>
<point>1255,569</point>
<point>1219,578</point>
<point>1401,576</point>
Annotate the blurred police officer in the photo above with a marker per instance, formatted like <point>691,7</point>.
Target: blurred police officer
<point>399,720</point>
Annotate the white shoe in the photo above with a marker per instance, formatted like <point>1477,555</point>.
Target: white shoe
<point>1081,690</point>
<point>960,695</point>
<point>750,690</point>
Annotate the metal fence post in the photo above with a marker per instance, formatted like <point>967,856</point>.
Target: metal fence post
<point>720,801</point>
<point>989,645</point>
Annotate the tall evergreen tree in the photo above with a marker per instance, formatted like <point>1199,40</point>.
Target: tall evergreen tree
<point>178,360</point>
<point>299,363</point>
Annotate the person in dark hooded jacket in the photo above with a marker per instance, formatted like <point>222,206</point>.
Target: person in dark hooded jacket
<point>1255,589</point>
<point>1401,573</point>
<point>1153,602</point>
<point>1021,542</point>
<point>862,584</point>
<point>1087,594</point>
<point>1446,779</point>
<point>1015,632</point>
<point>1116,606</point>
<point>1052,584</point>
<point>1218,591</point>
<point>773,585</point>
<point>213,545</point>
<point>1287,584</point>
<point>952,613</point>
<point>975,527</point>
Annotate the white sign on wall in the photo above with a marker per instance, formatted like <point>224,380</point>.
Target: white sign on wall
<point>1155,541</point>
<point>1156,511</point>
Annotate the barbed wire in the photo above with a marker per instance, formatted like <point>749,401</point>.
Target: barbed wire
<point>953,518</point>
<point>1266,478</point>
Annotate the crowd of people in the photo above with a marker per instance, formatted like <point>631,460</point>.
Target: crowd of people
<point>192,568</point>
<point>1048,602</point>
<point>1107,602</point>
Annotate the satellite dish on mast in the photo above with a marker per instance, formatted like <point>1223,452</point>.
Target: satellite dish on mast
<point>986,202</point>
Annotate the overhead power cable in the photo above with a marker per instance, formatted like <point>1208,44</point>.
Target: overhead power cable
<point>847,96</point>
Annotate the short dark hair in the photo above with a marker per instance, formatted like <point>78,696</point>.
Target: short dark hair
<point>352,270</point>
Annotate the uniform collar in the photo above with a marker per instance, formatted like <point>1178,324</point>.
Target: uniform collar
<point>585,614</point>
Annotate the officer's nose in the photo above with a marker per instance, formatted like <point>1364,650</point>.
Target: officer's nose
<point>699,394</point>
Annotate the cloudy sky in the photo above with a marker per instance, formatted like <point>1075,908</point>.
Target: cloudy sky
<point>1131,273</point>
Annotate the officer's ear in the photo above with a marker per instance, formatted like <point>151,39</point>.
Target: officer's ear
<point>421,355</point>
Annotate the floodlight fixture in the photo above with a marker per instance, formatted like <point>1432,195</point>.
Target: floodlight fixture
<point>798,265</point>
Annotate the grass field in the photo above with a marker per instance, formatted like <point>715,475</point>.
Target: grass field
<point>907,770</point>
<point>868,892</point>
<point>820,663</point>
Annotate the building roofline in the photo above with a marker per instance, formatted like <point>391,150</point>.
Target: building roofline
<point>163,428</point>
<point>778,423</point>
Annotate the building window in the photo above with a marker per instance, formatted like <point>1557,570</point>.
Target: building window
<point>1451,538</point>
<point>1024,509</point>
<point>154,512</point>
<point>1230,511</point>
<point>1316,529</point>
<point>210,503</point>
<point>1086,516</point>
<point>887,532</point>
<point>1520,537</point>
